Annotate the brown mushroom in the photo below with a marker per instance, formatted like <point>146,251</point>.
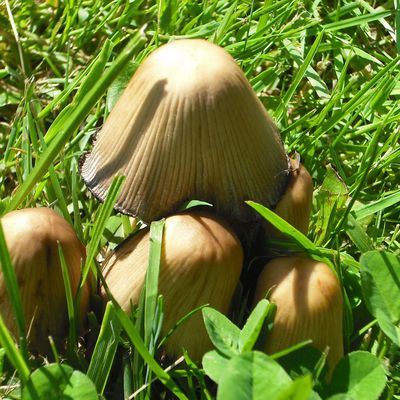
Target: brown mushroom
<point>188,126</point>
<point>309,305</point>
<point>295,204</point>
<point>201,262</point>
<point>32,237</point>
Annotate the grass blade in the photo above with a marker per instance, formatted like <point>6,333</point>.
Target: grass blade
<point>12,352</point>
<point>284,227</point>
<point>156,233</point>
<point>105,349</point>
<point>72,328</point>
<point>298,77</point>
<point>101,220</point>
<point>14,295</point>
<point>75,119</point>
<point>137,341</point>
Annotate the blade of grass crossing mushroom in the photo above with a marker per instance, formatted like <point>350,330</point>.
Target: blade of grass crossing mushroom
<point>14,295</point>
<point>55,185</point>
<point>105,349</point>
<point>284,227</point>
<point>151,283</point>
<point>75,119</point>
<point>72,307</point>
<point>98,229</point>
<point>138,343</point>
<point>15,357</point>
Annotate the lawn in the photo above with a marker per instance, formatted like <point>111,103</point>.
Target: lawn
<point>328,74</point>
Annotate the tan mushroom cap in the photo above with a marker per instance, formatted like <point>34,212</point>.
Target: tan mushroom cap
<point>309,305</point>
<point>201,262</point>
<point>188,126</point>
<point>32,237</point>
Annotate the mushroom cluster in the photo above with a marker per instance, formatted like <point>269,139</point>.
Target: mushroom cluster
<point>189,126</point>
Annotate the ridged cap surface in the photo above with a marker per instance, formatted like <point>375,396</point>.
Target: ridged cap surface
<point>201,262</point>
<point>188,126</point>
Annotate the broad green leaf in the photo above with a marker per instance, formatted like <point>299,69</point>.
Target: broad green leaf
<point>360,375</point>
<point>301,362</point>
<point>59,381</point>
<point>222,332</point>
<point>252,328</point>
<point>380,279</point>
<point>252,376</point>
<point>341,396</point>
<point>214,364</point>
<point>299,389</point>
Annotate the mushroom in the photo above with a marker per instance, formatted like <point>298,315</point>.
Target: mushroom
<point>201,262</point>
<point>188,126</point>
<point>295,204</point>
<point>32,237</point>
<point>309,305</point>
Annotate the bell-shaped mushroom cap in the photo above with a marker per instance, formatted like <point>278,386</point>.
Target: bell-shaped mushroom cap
<point>32,237</point>
<point>188,126</point>
<point>309,305</point>
<point>201,262</point>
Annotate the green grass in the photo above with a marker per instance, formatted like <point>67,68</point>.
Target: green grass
<point>327,72</point>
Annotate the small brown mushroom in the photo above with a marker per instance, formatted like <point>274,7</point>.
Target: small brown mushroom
<point>201,262</point>
<point>309,305</point>
<point>295,204</point>
<point>32,237</point>
<point>188,126</point>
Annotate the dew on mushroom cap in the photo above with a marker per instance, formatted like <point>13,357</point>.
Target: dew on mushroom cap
<point>188,126</point>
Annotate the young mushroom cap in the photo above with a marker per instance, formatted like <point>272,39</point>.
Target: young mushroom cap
<point>188,126</point>
<point>309,305</point>
<point>201,262</point>
<point>32,237</point>
<point>295,204</point>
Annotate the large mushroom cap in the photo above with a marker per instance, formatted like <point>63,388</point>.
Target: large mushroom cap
<point>201,262</point>
<point>188,126</point>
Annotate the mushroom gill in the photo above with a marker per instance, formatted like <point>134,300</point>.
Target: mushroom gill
<point>188,126</point>
<point>201,262</point>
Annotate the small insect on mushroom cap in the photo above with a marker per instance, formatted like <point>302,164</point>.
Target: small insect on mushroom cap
<point>32,237</point>
<point>188,126</point>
